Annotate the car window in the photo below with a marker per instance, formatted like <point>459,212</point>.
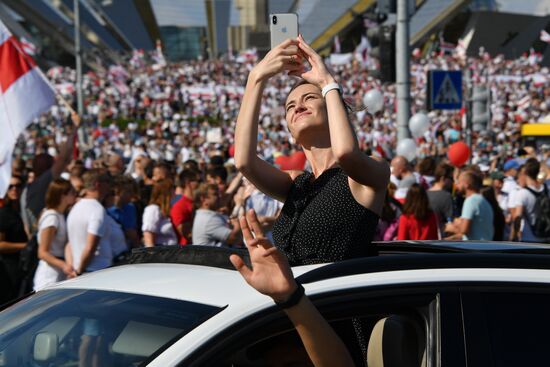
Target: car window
<point>361,319</point>
<point>71,327</point>
<point>506,328</point>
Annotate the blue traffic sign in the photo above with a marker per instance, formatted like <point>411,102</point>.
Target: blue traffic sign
<point>444,90</point>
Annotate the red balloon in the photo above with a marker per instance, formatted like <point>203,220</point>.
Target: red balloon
<point>296,161</point>
<point>458,154</point>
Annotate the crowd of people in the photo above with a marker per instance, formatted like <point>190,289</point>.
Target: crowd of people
<point>152,162</point>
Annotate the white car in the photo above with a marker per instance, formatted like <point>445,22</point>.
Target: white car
<point>416,304</point>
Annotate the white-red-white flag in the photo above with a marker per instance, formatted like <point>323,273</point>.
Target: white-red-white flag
<point>28,46</point>
<point>544,36</point>
<point>24,95</point>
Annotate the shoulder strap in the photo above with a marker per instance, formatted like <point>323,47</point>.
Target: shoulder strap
<point>534,192</point>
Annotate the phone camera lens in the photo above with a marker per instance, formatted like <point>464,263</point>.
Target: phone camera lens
<point>274,19</point>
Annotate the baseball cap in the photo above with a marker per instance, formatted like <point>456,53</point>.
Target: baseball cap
<point>511,164</point>
<point>497,175</point>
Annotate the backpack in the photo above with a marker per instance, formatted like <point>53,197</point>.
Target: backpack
<point>28,262</point>
<point>541,225</point>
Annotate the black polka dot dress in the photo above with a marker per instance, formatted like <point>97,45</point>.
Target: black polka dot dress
<point>322,222</point>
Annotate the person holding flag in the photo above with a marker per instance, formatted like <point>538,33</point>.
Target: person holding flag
<point>22,81</point>
<point>25,93</point>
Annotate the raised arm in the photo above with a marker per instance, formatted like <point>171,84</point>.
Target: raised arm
<point>268,179</point>
<point>271,275</point>
<point>66,149</point>
<point>363,170</point>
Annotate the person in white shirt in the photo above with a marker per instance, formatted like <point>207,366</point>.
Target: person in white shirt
<point>511,169</point>
<point>526,200</point>
<point>514,203</point>
<point>87,227</point>
<point>156,225</point>
<point>55,262</point>
<point>266,208</point>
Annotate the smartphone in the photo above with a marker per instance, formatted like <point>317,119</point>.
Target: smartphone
<point>282,27</point>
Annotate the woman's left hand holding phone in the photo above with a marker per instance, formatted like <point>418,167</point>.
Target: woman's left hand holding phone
<point>284,57</point>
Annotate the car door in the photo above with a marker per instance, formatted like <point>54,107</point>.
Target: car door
<point>429,314</point>
<point>506,324</point>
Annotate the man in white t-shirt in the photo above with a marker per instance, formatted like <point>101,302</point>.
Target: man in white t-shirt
<point>511,169</point>
<point>86,226</point>
<point>514,203</point>
<point>526,200</point>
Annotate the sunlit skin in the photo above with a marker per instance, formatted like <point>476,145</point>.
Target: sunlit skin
<point>306,115</point>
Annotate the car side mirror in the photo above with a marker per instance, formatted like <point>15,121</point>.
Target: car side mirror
<point>45,346</point>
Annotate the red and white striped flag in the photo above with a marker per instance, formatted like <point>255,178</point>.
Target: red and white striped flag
<point>24,95</point>
<point>28,46</point>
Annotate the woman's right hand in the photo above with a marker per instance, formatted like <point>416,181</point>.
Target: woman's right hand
<point>69,271</point>
<point>270,274</point>
<point>281,58</point>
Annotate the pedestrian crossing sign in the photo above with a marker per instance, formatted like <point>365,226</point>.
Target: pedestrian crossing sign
<point>444,90</point>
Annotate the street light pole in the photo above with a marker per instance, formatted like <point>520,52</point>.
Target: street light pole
<point>402,70</point>
<point>78,52</point>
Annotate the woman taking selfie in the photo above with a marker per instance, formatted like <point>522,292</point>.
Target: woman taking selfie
<point>329,214</point>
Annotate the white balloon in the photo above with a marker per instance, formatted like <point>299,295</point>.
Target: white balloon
<point>407,148</point>
<point>419,124</point>
<point>374,101</point>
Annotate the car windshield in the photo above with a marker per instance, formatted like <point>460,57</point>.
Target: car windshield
<point>72,327</point>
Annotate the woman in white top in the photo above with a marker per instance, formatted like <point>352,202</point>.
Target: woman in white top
<point>156,225</point>
<point>54,265</point>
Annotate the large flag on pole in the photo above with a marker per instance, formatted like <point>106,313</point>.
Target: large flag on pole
<point>24,95</point>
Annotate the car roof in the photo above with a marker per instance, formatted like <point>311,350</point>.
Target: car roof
<point>461,246</point>
<point>196,283</point>
<point>186,272</point>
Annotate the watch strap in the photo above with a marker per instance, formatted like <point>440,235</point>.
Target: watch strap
<point>329,87</point>
<point>294,298</point>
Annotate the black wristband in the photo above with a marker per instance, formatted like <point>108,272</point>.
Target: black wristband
<point>294,298</point>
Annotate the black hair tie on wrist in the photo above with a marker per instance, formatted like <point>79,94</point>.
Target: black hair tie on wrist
<point>294,298</point>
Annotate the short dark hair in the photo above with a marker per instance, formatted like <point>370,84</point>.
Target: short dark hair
<point>474,179</point>
<point>191,164</point>
<point>218,171</point>
<point>187,175</point>
<point>91,177</point>
<point>426,166</point>
<point>532,168</point>
<point>201,192</point>
<point>216,160</point>
<point>443,170</point>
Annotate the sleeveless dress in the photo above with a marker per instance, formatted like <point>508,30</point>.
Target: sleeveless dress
<point>45,273</point>
<point>322,222</point>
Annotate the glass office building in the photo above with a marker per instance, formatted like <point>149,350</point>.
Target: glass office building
<point>183,43</point>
